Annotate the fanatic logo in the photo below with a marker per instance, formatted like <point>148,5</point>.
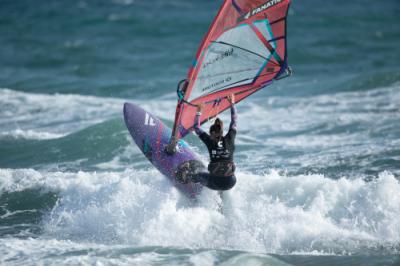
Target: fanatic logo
<point>261,8</point>
<point>149,121</point>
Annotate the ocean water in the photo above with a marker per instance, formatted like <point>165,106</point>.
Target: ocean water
<point>318,154</point>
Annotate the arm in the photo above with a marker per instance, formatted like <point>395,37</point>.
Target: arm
<point>232,127</point>
<point>233,117</point>
<point>202,135</point>
<point>231,99</point>
<point>197,128</point>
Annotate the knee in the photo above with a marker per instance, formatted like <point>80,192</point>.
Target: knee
<point>231,183</point>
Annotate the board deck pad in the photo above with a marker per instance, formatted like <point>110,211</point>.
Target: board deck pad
<point>151,135</point>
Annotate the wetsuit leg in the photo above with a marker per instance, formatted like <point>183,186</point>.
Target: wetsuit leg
<point>214,182</point>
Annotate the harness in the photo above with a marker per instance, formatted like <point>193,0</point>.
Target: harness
<point>222,169</point>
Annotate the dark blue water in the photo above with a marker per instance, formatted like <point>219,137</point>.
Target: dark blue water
<point>318,154</point>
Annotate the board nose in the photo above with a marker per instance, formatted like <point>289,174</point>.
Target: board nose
<point>130,110</point>
<point>129,114</point>
<point>126,108</point>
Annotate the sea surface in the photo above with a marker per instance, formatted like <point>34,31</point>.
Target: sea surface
<point>318,154</point>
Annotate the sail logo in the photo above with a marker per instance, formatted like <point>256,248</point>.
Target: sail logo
<point>217,84</point>
<point>149,121</point>
<point>213,85</point>
<point>219,57</point>
<point>261,8</point>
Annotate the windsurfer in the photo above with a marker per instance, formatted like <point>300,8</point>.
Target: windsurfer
<point>221,169</point>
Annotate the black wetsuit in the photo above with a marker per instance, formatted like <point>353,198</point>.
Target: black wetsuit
<point>221,175</point>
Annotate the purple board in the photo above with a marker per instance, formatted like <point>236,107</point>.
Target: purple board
<point>152,136</point>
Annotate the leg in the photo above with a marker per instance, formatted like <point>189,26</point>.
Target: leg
<point>202,178</point>
<point>221,205</point>
<point>214,182</point>
<point>187,170</point>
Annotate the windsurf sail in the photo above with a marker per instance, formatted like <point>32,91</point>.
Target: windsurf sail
<point>243,52</point>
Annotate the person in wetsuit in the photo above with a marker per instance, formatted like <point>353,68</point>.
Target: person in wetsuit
<point>221,169</point>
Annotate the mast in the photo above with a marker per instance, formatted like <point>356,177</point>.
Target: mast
<point>181,90</point>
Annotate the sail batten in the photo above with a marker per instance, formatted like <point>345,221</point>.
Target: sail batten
<point>244,49</point>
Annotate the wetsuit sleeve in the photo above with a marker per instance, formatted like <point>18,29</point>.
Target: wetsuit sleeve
<point>232,126</point>
<point>197,128</point>
<point>202,135</point>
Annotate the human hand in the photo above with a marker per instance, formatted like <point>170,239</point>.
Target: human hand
<point>200,107</point>
<point>231,98</point>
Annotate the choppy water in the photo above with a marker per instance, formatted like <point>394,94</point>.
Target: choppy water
<point>318,154</point>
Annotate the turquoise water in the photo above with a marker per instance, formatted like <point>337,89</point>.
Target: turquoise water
<point>318,154</point>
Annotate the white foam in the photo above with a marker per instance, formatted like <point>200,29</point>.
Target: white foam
<point>14,251</point>
<point>47,116</point>
<point>267,213</point>
<point>29,134</point>
<point>319,128</point>
<point>43,116</point>
<point>288,114</point>
<point>271,213</point>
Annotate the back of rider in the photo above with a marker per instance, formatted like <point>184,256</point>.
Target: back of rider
<point>221,153</point>
<point>221,170</point>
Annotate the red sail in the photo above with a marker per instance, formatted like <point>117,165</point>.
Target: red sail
<point>243,51</point>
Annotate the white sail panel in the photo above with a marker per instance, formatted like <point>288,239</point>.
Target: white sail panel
<point>234,59</point>
<point>264,28</point>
